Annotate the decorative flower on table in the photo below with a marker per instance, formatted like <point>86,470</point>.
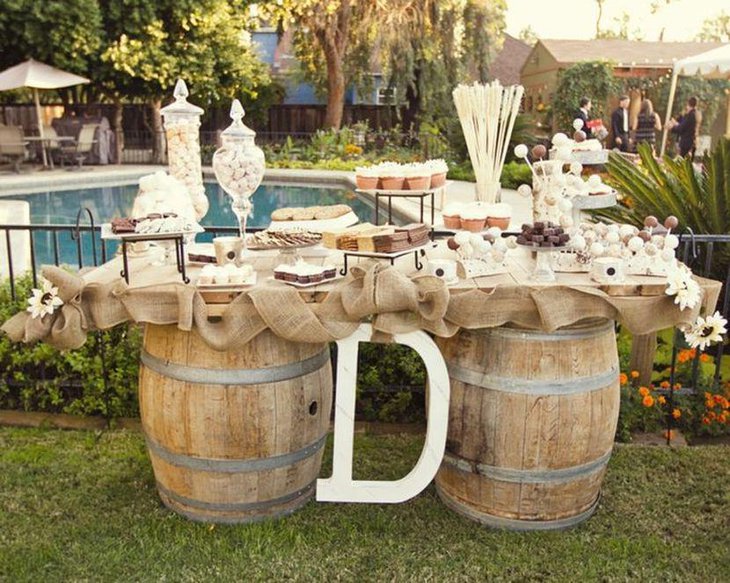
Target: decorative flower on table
<point>44,301</point>
<point>706,331</point>
<point>685,289</point>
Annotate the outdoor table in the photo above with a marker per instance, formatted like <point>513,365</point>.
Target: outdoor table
<point>44,143</point>
<point>236,387</point>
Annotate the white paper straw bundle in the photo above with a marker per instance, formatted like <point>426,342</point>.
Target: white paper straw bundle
<point>487,114</point>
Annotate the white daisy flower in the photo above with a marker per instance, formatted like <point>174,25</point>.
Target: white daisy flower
<point>685,289</point>
<point>44,300</point>
<point>705,331</point>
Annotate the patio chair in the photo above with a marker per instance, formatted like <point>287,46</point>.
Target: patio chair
<point>13,146</point>
<point>81,148</point>
<point>53,144</point>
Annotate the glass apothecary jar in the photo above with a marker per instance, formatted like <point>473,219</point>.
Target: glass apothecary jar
<point>182,130</point>
<point>239,165</point>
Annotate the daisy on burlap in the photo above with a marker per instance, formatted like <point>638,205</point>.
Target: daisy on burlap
<point>686,291</point>
<point>706,331</point>
<point>44,301</point>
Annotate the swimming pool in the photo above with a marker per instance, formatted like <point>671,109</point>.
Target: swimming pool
<point>106,202</point>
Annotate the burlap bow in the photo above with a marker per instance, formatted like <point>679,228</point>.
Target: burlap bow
<point>66,327</point>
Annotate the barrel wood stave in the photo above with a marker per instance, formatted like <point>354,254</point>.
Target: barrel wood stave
<point>234,451</point>
<point>532,421</point>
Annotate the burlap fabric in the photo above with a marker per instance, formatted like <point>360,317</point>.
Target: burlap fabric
<point>393,302</point>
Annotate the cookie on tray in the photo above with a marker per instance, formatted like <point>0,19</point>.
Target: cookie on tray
<point>283,214</point>
<point>303,214</point>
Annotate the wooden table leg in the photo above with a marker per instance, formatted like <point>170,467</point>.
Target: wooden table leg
<point>643,351</point>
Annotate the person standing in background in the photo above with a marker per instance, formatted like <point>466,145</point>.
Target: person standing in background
<point>686,128</point>
<point>646,124</point>
<point>584,113</point>
<point>620,124</point>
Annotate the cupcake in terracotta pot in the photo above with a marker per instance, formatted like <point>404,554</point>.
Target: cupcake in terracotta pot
<point>391,177</point>
<point>439,169</point>
<point>474,218</point>
<point>499,215</point>
<point>366,177</point>
<point>452,215</point>
<point>417,177</point>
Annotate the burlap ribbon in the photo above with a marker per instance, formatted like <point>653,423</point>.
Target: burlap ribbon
<point>392,301</point>
<point>66,327</point>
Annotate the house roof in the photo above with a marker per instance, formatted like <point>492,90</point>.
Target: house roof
<point>509,61</point>
<point>642,54</point>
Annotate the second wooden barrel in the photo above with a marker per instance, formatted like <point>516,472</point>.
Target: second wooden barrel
<point>234,436</point>
<point>532,421</point>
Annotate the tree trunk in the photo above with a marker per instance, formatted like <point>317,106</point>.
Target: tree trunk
<point>335,93</point>
<point>118,131</point>
<point>412,111</point>
<point>158,134</point>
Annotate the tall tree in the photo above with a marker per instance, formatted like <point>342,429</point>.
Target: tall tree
<point>331,37</point>
<point>716,29</point>
<point>203,41</point>
<point>62,33</point>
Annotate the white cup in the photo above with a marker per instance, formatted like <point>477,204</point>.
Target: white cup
<point>607,270</point>
<point>228,250</point>
<point>443,268</point>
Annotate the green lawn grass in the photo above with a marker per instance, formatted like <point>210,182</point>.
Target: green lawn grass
<point>83,506</point>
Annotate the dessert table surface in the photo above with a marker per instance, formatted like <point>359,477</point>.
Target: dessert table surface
<point>394,300</point>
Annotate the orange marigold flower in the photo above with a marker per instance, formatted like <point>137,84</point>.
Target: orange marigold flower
<point>676,413</point>
<point>648,401</point>
<point>704,358</point>
<point>706,420</point>
<point>643,391</point>
<point>677,386</point>
<point>712,415</point>
<point>708,395</point>
<point>664,384</point>
<point>718,399</point>
<point>623,378</point>
<point>669,434</point>
<point>661,400</point>
<point>634,374</point>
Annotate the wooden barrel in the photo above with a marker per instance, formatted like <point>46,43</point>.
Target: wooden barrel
<point>532,421</point>
<point>234,436</point>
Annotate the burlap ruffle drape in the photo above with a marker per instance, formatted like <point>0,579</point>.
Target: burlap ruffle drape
<point>393,302</point>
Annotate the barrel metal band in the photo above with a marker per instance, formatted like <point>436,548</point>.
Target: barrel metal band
<point>521,476</point>
<point>561,334</point>
<point>210,376</point>
<point>513,523</point>
<point>533,386</point>
<point>170,500</point>
<point>234,466</point>
<point>235,506</point>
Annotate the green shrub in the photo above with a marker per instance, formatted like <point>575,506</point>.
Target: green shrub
<point>38,377</point>
<point>514,174</point>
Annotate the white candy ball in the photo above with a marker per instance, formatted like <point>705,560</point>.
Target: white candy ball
<point>462,237</point>
<point>566,221</point>
<point>560,139</point>
<point>511,242</point>
<point>671,242</point>
<point>614,250</point>
<point>578,124</point>
<point>565,205</point>
<point>501,244</point>
<point>475,239</point>
<point>524,190</point>
<point>650,249</point>
<point>594,180</point>
<point>578,242</point>
<point>521,151</point>
<point>494,232</point>
<point>612,237</point>
<point>636,244</point>
<point>667,255</point>
<point>482,247</point>
<point>627,230</point>
<point>597,249</point>
<point>576,168</point>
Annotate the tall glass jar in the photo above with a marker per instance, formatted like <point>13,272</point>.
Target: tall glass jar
<point>239,165</point>
<point>182,129</point>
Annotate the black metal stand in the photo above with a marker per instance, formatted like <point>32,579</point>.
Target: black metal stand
<point>417,254</point>
<point>179,252</point>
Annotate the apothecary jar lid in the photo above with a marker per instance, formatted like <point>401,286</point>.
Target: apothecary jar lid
<point>237,132</point>
<point>181,107</point>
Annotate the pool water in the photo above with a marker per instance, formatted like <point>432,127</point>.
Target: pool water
<point>107,202</point>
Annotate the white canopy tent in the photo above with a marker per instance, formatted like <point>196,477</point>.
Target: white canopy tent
<point>36,75</point>
<point>713,64</point>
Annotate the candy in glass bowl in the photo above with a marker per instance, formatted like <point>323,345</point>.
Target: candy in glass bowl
<point>239,165</point>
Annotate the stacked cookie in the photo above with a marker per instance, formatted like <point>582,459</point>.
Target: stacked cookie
<point>312,213</point>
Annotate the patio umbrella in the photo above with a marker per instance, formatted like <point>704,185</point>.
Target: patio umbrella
<point>713,64</point>
<point>37,75</point>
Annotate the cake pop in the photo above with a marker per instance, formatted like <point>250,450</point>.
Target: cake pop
<point>539,152</point>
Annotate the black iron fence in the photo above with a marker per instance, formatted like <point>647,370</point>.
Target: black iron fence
<point>139,146</point>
